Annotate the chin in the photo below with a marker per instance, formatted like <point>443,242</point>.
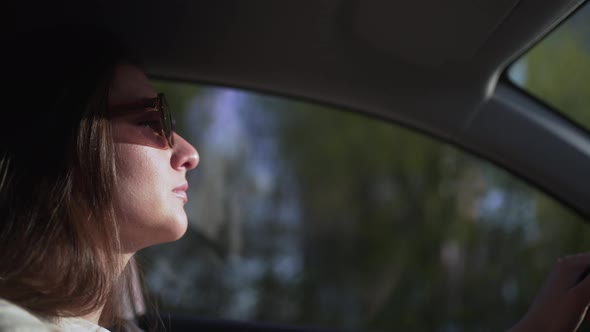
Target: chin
<point>178,231</point>
<point>134,239</point>
<point>177,226</point>
<point>171,231</point>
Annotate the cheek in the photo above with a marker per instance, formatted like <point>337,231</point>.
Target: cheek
<point>137,166</point>
<point>137,192</point>
<point>146,209</point>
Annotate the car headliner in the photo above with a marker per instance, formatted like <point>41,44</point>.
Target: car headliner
<point>431,65</point>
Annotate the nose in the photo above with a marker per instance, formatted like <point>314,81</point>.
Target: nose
<point>184,155</point>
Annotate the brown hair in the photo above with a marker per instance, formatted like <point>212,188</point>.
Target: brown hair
<point>59,243</point>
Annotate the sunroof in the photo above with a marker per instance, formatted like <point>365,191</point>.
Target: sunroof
<point>557,69</point>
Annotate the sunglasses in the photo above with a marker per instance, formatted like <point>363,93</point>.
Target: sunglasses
<point>158,104</point>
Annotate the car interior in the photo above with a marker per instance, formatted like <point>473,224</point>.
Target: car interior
<point>439,68</point>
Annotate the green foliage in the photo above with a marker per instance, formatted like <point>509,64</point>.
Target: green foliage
<point>393,223</point>
<point>558,70</point>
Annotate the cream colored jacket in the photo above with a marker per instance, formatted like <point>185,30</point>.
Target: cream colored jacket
<point>16,319</point>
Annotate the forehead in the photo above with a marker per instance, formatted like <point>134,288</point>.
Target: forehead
<point>130,84</point>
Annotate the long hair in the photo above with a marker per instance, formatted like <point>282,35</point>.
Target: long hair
<point>59,243</point>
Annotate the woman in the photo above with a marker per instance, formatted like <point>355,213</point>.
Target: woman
<point>91,172</point>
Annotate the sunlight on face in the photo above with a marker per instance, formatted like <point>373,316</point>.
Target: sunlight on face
<point>151,181</point>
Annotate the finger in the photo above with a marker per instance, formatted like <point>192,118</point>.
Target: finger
<point>581,292</point>
<point>569,271</point>
<point>566,274</point>
<point>583,275</point>
<point>576,259</point>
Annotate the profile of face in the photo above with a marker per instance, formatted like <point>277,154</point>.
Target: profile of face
<point>150,192</point>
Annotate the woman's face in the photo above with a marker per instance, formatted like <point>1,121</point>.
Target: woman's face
<point>151,181</point>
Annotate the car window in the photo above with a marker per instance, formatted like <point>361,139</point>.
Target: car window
<point>557,69</point>
<point>309,215</point>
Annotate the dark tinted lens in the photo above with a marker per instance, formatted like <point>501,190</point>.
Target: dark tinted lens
<point>167,121</point>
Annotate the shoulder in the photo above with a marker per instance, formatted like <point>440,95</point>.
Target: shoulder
<point>73,324</point>
<point>16,319</point>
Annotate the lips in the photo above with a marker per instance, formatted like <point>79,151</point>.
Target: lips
<point>180,192</point>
